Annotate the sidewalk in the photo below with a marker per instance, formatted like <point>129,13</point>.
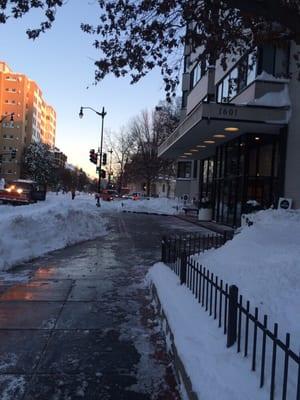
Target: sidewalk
<point>82,326</point>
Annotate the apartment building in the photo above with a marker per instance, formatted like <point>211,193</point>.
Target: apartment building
<point>238,139</point>
<point>33,119</point>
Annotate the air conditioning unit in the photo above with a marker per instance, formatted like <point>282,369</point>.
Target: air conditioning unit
<point>284,203</point>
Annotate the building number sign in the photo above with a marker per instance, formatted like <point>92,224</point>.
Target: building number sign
<point>228,112</point>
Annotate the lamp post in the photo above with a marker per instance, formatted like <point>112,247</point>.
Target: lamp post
<point>102,115</point>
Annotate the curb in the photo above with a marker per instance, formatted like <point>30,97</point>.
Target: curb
<point>179,368</point>
<point>147,213</point>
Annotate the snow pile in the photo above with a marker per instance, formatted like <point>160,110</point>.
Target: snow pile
<point>30,231</point>
<point>153,205</point>
<point>212,368</point>
<point>263,260</point>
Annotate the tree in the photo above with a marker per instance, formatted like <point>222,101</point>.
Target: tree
<point>148,131</point>
<point>121,144</point>
<point>38,163</point>
<point>135,36</point>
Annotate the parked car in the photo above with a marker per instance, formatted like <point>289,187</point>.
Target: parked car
<point>22,191</point>
<point>135,196</point>
<point>108,194</point>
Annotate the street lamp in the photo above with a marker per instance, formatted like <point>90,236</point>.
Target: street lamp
<point>102,115</point>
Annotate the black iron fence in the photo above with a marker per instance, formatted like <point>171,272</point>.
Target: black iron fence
<point>277,365</point>
<point>173,246</point>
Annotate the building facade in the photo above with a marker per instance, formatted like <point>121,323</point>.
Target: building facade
<point>238,141</point>
<point>33,119</point>
<point>59,158</point>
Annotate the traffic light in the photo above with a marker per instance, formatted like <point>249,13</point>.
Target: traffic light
<point>103,174</point>
<point>93,156</point>
<point>104,160</point>
<point>13,154</point>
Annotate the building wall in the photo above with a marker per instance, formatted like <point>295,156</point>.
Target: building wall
<point>292,168</point>
<point>34,120</point>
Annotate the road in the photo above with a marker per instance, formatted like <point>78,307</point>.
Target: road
<point>82,326</point>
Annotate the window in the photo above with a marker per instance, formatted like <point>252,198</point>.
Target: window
<point>184,169</point>
<point>274,60</point>
<point>237,79</point>
<point>197,73</point>
<point>195,169</point>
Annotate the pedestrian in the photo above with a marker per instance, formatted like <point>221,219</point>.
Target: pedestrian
<point>73,194</point>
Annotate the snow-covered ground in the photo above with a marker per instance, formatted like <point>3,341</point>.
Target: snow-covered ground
<point>212,368</point>
<point>263,260</point>
<point>30,231</point>
<point>153,205</point>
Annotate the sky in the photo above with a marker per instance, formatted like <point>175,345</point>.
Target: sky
<point>61,62</point>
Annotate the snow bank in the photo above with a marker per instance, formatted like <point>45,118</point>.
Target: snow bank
<point>153,205</point>
<point>263,260</point>
<point>212,368</point>
<point>30,231</point>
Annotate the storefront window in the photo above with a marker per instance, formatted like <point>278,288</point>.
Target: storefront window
<point>243,169</point>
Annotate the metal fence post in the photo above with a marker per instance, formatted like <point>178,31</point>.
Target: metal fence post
<point>232,315</point>
<point>183,266</point>
<point>163,249</point>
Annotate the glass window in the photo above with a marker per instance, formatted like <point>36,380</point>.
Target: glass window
<point>184,169</point>
<point>242,74</point>
<point>252,160</point>
<point>205,170</point>
<point>282,62</point>
<point>265,160</point>
<point>225,93</point>
<point>220,94</point>
<point>195,169</point>
<point>233,81</point>
<point>268,57</point>
<point>252,65</point>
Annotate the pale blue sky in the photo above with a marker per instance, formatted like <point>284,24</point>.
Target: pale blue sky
<point>61,62</point>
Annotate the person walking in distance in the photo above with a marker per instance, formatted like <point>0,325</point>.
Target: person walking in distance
<point>73,194</point>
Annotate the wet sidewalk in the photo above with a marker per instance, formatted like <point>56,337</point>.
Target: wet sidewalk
<point>82,327</point>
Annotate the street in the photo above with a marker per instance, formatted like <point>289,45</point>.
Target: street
<point>82,326</point>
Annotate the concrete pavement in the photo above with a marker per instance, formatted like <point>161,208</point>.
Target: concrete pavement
<point>82,327</point>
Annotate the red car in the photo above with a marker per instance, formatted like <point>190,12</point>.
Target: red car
<point>108,194</point>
